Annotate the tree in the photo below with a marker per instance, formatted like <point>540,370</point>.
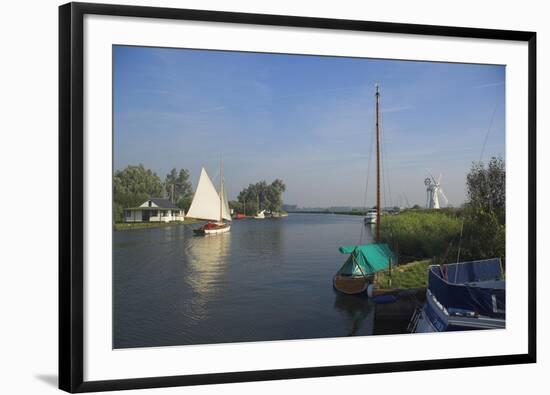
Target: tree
<point>262,196</point>
<point>486,187</point>
<point>132,186</point>
<point>484,221</point>
<point>483,236</point>
<point>178,188</point>
<point>275,195</point>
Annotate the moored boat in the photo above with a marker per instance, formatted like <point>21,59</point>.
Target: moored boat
<point>260,215</point>
<point>211,205</point>
<point>357,273</point>
<point>370,216</point>
<point>463,296</point>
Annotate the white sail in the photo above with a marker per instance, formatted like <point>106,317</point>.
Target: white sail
<point>206,202</point>
<point>226,212</point>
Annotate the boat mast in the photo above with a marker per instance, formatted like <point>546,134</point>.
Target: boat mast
<point>377,238</point>
<point>221,190</point>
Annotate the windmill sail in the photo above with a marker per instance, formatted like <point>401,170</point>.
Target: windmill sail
<point>206,202</point>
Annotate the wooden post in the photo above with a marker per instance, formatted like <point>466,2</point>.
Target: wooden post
<point>390,271</point>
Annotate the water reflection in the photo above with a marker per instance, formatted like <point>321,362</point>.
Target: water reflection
<point>206,257</point>
<point>205,260</point>
<point>359,310</point>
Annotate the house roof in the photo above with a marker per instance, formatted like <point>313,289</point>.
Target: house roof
<point>164,203</point>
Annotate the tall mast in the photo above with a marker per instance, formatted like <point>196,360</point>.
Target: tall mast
<point>221,190</point>
<point>377,238</point>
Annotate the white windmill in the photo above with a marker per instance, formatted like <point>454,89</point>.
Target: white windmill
<point>433,190</point>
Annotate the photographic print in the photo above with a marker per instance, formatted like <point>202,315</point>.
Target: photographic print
<point>267,196</point>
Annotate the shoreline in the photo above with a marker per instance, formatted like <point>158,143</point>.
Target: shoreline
<point>124,226</point>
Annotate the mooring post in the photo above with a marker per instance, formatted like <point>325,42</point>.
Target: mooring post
<point>390,271</point>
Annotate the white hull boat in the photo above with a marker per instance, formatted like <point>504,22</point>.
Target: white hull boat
<point>260,215</point>
<point>212,228</point>
<point>211,205</point>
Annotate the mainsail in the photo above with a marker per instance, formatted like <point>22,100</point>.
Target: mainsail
<point>206,202</point>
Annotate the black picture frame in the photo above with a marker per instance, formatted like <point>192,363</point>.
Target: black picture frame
<point>71,222</point>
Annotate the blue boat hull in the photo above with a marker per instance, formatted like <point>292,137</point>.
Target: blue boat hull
<point>463,296</point>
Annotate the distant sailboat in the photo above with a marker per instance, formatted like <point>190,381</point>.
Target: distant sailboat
<point>211,205</point>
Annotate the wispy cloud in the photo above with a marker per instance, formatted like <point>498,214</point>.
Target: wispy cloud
<point>489,85</point>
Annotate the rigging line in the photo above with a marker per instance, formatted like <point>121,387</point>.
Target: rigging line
<point>387,170</point>
<point>367,185</point>
<point>385,178</point>
<point>488,131</point>
<point>382,167</point>
<point>459,244</point>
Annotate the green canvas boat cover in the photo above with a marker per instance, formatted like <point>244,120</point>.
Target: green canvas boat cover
<point>365,259</point>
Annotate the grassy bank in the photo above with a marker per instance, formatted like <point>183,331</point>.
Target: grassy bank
<point>142,225</point>
<point>425,234</point>
<point>410,275</point>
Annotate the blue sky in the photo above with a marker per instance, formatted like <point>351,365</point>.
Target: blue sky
<point>308,120</point>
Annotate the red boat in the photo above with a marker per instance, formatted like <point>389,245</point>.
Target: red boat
<point>240,216</point>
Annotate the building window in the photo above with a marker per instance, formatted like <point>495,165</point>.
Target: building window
<point>128,214</point>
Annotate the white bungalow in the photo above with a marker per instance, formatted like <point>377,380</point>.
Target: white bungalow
<point>154,210</point>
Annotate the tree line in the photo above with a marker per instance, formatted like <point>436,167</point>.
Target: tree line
<point>260,196</point>
<point>135,184</point>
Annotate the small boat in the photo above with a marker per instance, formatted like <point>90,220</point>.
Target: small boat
<point>370,217</point>
<point>260,215</point>
<point>357,273</point>
<point>240,216</point>
<point>463,296</point>
<point>211,205</point>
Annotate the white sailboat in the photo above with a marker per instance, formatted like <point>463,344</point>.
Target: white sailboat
<point>211,205</point>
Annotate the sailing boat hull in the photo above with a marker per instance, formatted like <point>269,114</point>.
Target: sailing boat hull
<point>351,285</point>
<point>212,229</point>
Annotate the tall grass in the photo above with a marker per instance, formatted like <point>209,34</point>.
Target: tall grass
<point>421,234</point>
<point>425,234</point>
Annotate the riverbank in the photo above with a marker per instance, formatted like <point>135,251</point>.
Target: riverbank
<point>412,275</point>
<point>408,283</point>
<point>121,226</point>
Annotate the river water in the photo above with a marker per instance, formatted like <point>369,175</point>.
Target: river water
<point>263,280</point>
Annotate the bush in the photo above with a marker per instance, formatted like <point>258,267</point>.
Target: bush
<point>483,236</point>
